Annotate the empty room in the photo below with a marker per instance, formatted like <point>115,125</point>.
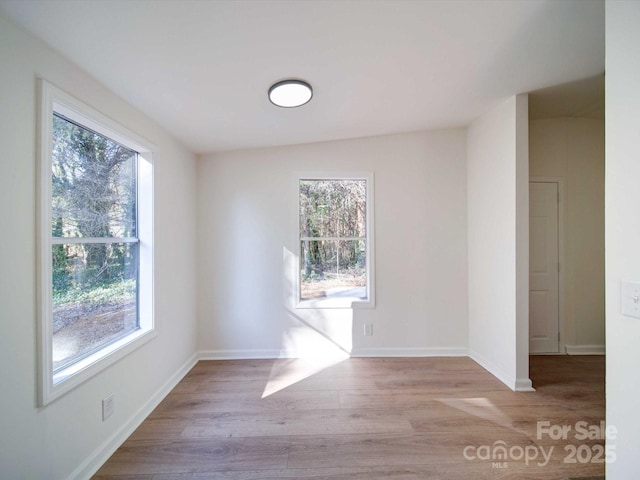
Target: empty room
<point>319,239</point>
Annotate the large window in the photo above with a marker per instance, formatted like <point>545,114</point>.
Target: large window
<point>95,242</point>
<point>335,218</point>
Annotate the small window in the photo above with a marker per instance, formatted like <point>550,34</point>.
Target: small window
<point>95,242</point>
<point>335,242</point>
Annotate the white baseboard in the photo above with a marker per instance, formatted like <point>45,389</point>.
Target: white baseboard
<point>91,465</point>
<point>490,367</point>
<point>262,354</point>
<point>524,385</point>
<point>411,352</point>
<point>585,349</point>
<point>515,384</point>
<point>360,352</point>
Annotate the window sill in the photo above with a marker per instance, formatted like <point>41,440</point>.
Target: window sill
<point>336,302</point>
<point>69,378</point>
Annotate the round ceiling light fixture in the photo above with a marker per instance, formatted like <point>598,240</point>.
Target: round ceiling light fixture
<point>290,93</point>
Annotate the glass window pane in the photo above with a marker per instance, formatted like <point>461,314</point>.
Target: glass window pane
<point>93,184</point>
<point>94,297</point>
<point>333,208</point>
<point>330,268</point>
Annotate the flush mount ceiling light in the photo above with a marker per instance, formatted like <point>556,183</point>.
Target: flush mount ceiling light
<point>290,93</point>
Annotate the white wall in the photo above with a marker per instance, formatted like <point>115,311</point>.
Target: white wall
<point>622,231</point>
<point>497,185</point>
<point>572,149</point>
<point>248,247</point>
<point>67,436</point>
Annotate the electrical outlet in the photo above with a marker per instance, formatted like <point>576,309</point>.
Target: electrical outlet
<point>107,407</point>
<point>631,299</point>
<point>368,329</point>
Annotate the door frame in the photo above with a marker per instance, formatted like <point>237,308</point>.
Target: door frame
<point>562,349</point>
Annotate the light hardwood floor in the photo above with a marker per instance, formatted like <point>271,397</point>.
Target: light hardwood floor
<point>366,419</point>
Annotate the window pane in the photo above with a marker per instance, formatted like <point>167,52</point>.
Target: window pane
<point>333,269</point>
<point>93,184</point>
<point>94,297</point>
<point>333,208</point>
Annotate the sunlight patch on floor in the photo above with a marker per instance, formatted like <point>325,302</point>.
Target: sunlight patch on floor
<point>313,353</point>
<point>289,371</point>
<point>482,408</point>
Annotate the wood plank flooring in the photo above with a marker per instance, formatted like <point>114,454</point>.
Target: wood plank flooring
<point>367,419</point>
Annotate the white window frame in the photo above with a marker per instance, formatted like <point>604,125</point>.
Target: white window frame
<point>52,386</point>
<point>342,302</point>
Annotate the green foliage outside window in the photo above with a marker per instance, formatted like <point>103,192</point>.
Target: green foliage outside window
<point>333,230</point>
<point>94,197</point>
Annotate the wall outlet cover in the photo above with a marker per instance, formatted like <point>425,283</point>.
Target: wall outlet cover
<point>631,299</point>
<point>107,407</point>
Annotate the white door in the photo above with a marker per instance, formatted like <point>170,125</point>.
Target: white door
<point>543,268</point>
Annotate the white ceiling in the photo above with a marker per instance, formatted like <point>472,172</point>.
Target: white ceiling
<point>202,68</point>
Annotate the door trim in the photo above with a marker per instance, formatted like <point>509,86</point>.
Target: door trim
<point>561,257</point>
